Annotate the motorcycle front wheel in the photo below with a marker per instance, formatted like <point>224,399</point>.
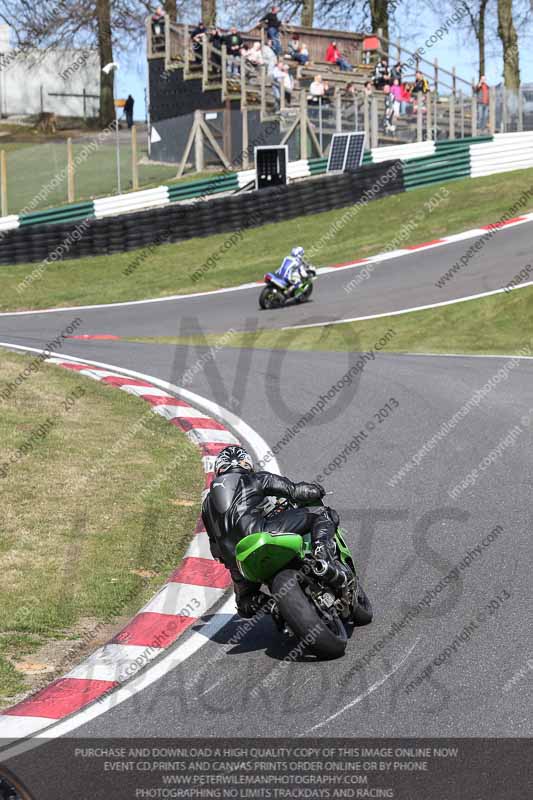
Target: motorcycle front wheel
<point>306,294</point>
<point>325,638</point>
<point>270,297</point>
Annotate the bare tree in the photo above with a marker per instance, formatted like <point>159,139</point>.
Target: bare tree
<point>209,12</point>
<point>379,16</point>
<point>308,13</point>
<point>477,14</point>
<point>509,39</point>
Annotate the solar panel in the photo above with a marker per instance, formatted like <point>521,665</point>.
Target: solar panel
<point>356,146</point>
<point>337,153</point>
<point>346,151</point>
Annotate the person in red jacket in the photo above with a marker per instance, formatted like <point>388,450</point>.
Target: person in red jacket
<point>333,56</point>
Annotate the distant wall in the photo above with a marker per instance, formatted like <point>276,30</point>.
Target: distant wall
<point>26,81</point>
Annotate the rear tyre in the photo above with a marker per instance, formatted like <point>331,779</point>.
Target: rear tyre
<point>363,613</point>
<point>325,640</point>
<point>270,298</point>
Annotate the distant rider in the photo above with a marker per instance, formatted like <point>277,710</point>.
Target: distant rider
<point>238,504</point>
<point>295,269</point>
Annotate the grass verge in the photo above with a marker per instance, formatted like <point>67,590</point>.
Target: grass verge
<point>97,509</point>
<point>168,269</point>
<point>502,323</point>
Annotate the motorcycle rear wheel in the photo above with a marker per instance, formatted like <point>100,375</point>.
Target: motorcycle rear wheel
<point>270,298</point>
<point>363,613</point>
<point>304,618</point>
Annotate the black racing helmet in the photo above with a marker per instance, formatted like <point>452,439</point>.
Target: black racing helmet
<point>232,457</point>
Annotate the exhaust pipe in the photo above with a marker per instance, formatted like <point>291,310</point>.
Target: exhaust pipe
<point>331,574</point>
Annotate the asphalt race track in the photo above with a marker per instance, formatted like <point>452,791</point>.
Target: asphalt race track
<point>393,284</point>
<point>407,538</point>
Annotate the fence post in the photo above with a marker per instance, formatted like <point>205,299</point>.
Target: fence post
<point>303,126</point>
<point>492,110</point>
<point>70,172</point>
<point>205,64</point>
<point>428,116</point>
<point>473,110</point>
<point>451,113</point>
<point>366,120</point>
<point>462,113</point>
<point>134,164</point>
<point>199,144</point>
<point>419,97</point>
<point>3,180</point>
<point>436,71</point>
<point>373,121</point>
<point>338,111</point>
<point>520,120</point>
<point>503,124</point>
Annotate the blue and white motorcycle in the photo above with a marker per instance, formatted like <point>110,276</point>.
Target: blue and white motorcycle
<point>278,291</point>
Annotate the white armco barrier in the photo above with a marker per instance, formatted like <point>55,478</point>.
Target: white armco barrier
<point>7,223</point>
<point>403,151</point>
<point>148,198</point>
<point>506,152</point>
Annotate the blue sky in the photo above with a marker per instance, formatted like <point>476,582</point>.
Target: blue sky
<point>455,49</point>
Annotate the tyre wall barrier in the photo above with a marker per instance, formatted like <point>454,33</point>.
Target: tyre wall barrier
<point>176,223</point>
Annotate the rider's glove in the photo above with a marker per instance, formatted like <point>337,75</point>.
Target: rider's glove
<point>306,492</point>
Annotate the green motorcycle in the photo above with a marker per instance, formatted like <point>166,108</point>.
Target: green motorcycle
<point>311,598</point>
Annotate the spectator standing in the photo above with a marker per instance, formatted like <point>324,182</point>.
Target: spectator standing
<point>158,21</point>
<point>234,44</point>
<point>216,38</point>
<point>198,35</point>
<point>388,121</point>
<point>396,91</point>
<point>421,84</point>
<point>397,71</point>
<point>334,56</point>
<point>381,75</point>
<point>282,82</point>
<point>273,25</point>
<point>405,99</point>
<point>269,57</point>
<point>128,110</point>
<point>483,97</point>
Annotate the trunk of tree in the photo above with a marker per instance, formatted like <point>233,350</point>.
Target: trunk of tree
<point>481,35</point>
<point>509,40</point>
<point>308,13</point>
<point>171,9</point>
<point>105,49</point>
<point>209,12</point>
<point>379,11</point>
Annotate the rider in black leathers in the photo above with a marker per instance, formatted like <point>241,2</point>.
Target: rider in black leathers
<point>237,506</point>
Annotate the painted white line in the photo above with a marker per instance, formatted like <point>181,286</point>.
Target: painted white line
<point>445,240</point>
<point>466,355</point>
<point>368,691</point>
<point>405,310</point>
